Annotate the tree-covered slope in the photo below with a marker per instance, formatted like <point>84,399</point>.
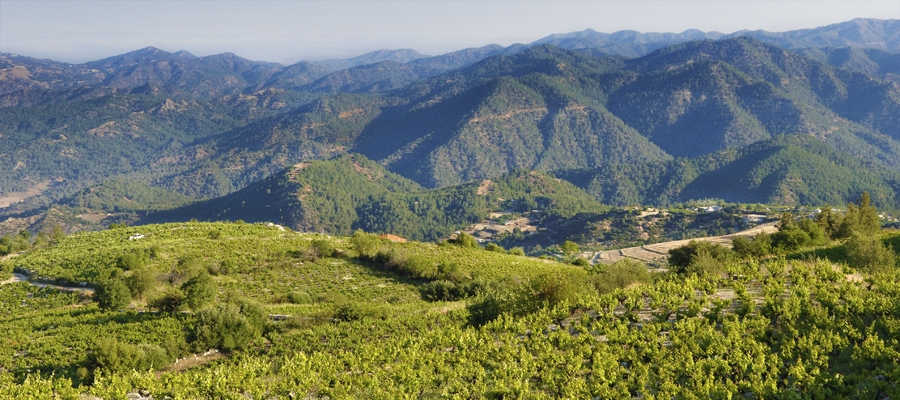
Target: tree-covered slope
<point>782,170</point>
<point>350,192</point>
<point>542,108</point>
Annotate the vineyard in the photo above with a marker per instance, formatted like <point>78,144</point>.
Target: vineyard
<point>296,315</point>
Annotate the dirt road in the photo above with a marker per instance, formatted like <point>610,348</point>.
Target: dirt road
<point>659,251</point>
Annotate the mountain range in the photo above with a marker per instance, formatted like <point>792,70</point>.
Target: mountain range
<point>801,117</point>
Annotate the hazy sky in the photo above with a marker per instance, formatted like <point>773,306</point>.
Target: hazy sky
<point>289,31</point>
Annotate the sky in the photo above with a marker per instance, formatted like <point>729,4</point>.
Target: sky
<point>289,31</point>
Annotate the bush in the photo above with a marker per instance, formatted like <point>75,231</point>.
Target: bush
<point>452,272</point>
<point>199,291</point>
<point>323,248</point>
<point>869,254</point>
<point>365,244</point>
<point>495,248</point>
<point>171,301</point>
<point>299,298</point>
<point>140,282</point>
<point>444,290</point>
<point>465,240</point>
<point>117,357</point>
<point>419,267</point>
<point>790,239</point>
<point>569,247</point>
<point>224,327</point>
<point>112,295</point>
<point>581,262</point>
<point>680,258</point>
<point>621,274</point>
<point>347,312</point>
<point>517,251</point>
<point>759,246</point>
<point>187,267</point>
<point>552,288</point>
<point>705,264</point>
<point>133,260</point>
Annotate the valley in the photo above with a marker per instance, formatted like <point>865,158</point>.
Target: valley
<point>589,215</point>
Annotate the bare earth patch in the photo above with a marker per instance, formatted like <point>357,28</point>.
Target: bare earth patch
<point>195,360</point>
<point>15,197</point>
<point>660,251</point>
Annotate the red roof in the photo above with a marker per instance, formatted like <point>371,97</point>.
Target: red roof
<point>393,238</point>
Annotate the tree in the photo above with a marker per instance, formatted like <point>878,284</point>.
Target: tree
<point>868,253</point>
<point>681,258</point>
<point>862,218</point>
<point>830,221</point>
<point>199,291</point>
<point>140,282</point>
<point>365,244</point>
<point>569,247</point>
<point>112,295</point>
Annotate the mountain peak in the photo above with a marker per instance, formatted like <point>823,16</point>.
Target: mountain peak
<point>184,54</point>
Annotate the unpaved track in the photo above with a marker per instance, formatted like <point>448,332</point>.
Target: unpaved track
<point>660,251</point>
<point>17,277</point>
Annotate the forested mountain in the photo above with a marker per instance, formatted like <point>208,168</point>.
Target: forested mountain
<point>350,192</point>
<point>202,77</point>
<point>141,130</point>
<point>666,127</point>
<point>551,109</point>
<point>874,62</point>
<point>781,170</point>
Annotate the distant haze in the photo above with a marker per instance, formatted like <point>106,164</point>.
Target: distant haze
<point>290,31</point>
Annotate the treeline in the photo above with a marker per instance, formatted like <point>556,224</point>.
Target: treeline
<point>857,229</point>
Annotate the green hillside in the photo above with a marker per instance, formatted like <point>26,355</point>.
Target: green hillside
<point>542,108</point>
<point>783,170</point>
<point>228,310</point>
<point>350,192</point>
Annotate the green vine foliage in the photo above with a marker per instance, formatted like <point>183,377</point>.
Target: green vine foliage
<point>358,324</point>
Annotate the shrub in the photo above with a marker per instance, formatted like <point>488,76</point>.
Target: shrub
<point>759,246</point>
<point>705,264</point>
<point>112,295</point>
<point>495,248</point>
<point>347,312</point>
<point>790,238</point>
<point>680,258</point>
<point>419,267</point>
<point>465,240</point>
<point>187,267</point>
<point>365,244</point>
<point>171,301</point>
<point>444,290</point>
<point>133,260</point>
<point>581,262</point>
<point>868,253</point>
<point>299,298</point>
<point>224,327</point>
<point>323,248</point>
<point>199,291</point>
<point>140,282</point>
<point>569,247</point>
<point>517,251</point>
<point>621,274</point>
<point>452,272</point>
